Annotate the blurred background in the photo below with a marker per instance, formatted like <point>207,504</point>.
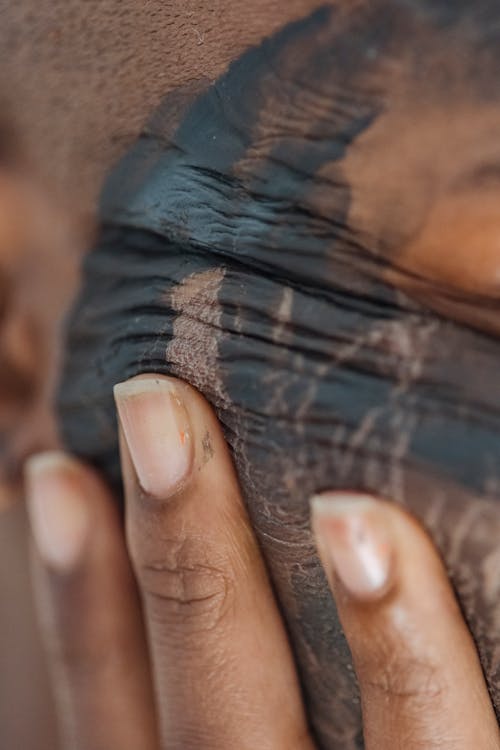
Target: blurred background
<point>77,80</point>
<point>39,257</point>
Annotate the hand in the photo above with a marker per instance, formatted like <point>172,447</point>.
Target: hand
<point>222,671</point>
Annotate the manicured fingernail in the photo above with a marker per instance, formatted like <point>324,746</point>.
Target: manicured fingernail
<point>353,542</point>
<point>58,512</point>
<point>158,432</point>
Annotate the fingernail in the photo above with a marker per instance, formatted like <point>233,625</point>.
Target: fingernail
<point>158,433</point>
<point>353,542</point>
<point>58,512</point>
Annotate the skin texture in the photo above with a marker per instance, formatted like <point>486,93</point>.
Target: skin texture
<point>222,667</point>
<point>248,250</point>
<point>78,80</point>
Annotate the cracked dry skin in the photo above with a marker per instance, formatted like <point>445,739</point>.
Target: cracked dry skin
<point>310,241</point>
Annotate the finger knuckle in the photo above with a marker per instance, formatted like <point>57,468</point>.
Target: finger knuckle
<point>404,677</point>
<point>186,588</point>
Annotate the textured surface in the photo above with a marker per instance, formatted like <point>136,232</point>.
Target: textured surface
<point>251,241</point>
<point>79,79</point>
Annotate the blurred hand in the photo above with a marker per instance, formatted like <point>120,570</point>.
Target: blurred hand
<point>222,674</point>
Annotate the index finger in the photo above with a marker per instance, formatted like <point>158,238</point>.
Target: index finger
<point>224,672</point>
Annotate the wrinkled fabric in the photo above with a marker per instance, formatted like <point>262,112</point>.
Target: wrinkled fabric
<point>228,256</point>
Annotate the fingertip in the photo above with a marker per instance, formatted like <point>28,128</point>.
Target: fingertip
<point>383,541</point>
<point>354,543</point>
<point>48,461</point>
<point>88,607</point>
<point>57,508</point>
<point>409,642</point>
<point>158,432</point>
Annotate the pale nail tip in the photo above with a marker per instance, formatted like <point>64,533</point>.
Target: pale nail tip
<point>48,461</point>
<point>138,386</point>
<point>341,503</point>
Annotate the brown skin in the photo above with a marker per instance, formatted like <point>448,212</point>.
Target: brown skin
<point>37,281</point>
<point>450,204</point>
<point>223,671</point>
<point>77,83</point>
<point>80,79</point>
<point>86,85</point>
